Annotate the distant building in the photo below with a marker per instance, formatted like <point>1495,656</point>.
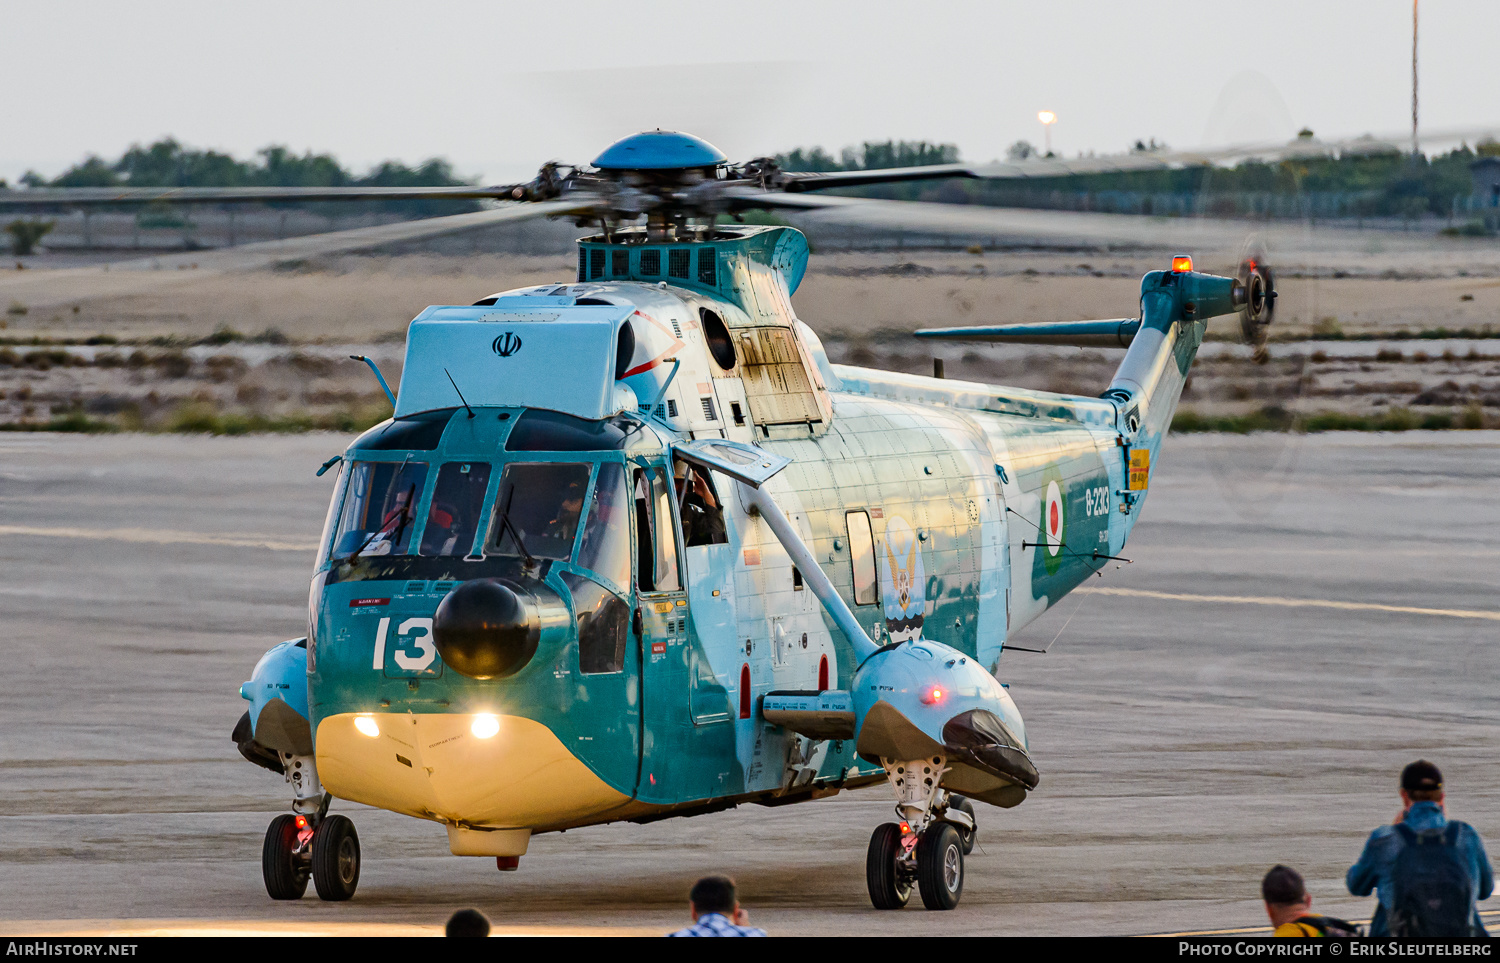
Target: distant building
<point>1486,174</point>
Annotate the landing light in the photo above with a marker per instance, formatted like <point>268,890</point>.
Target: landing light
<point>367,725</point>
<point>1181,264</point>
<point>485,726</point>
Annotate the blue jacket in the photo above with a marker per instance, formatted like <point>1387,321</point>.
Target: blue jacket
<point>1376,863</point>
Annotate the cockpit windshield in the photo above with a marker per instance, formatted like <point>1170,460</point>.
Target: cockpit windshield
<point>454,515</point>
<point>539,503</point>
<point>379,507</point>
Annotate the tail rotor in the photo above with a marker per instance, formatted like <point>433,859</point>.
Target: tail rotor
<point>1258,283</point>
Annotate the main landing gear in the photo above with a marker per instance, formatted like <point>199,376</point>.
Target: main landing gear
<point>926,849</point>
<point>308,842</point>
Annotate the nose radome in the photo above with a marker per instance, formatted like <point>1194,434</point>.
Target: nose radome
<point>485,629</point>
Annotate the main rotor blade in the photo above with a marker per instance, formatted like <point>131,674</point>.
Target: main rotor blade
<point>827,217</point>
<point>1134,161</point>
<point>41,288</point>
<point>93,196</point>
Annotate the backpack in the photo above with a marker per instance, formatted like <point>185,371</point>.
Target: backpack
<point>1434,895</point>
<point>1327,926</point>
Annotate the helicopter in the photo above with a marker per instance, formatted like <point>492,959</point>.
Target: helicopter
<point>631,548</point>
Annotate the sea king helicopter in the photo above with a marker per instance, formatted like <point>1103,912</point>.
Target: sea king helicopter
<point>632,548</point>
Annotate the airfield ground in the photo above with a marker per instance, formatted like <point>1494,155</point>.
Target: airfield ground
<point>1185,743</point>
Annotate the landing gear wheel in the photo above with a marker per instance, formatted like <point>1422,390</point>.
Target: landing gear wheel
<point>889,886</point>
<point>335,859</point>
<point>940,866</point>
<point>285,872</point>
<point>966,836</point>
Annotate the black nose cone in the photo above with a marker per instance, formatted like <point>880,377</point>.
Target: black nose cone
<point>486,629</point>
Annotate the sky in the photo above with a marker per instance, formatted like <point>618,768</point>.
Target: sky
<point>500,87</point>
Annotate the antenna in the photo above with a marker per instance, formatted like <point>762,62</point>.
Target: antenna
<point>460,393</point>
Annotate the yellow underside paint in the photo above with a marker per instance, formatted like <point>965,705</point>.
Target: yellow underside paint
<point>522,777</point>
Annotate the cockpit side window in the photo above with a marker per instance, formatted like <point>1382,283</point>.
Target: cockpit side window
<point>378,515</point>
<point>656,540</point>
<point>325,541</point>
<point>606,535</point>
<point>453,517</point>
<point>603,625</point>
<point>698,505</point>
<point>539,503</point>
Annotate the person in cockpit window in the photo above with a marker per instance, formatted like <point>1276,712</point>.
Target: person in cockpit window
<point>702,515</point>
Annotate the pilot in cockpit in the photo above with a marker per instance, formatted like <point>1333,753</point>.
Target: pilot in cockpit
<point>702,515</point>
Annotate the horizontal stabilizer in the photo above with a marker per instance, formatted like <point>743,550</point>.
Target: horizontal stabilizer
<point>1082,334</point>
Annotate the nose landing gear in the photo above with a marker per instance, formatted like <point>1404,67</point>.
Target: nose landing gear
<point>308,843</point>
<point>926,849</point>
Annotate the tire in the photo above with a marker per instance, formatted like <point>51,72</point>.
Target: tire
<point>284,873</point>
<point>966,836</point>
<point>940,866</point>
<point>888,889</point>
<point>335,859</point>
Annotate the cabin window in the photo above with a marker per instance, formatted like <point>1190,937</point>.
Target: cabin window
<point>538,503</point>
<point>457,501</point>
<point>606,535</point>
<point>603,625</point>
<point>862,556</point>
<point>378,515</point>
<point>656,543</point>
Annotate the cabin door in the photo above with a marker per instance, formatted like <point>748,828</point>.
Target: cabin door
<point>660,630</point>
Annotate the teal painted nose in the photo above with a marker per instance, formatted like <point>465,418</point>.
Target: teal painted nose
<point>486,629</point>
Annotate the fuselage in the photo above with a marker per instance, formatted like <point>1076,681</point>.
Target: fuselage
<point>940,510</point>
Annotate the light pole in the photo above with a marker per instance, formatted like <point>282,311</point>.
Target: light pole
<point>1415,149</point>
<point>1048,118</point>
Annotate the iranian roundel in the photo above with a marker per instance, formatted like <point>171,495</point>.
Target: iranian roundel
<point>1052,519</point>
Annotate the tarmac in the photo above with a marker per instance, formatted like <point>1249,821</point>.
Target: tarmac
<point>1303,616</point>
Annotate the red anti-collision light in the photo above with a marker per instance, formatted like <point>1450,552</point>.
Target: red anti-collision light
<point>1181,264</point>
<point>301,822</point>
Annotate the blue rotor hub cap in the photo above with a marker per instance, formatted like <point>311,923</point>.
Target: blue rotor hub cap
<point>655,150</point>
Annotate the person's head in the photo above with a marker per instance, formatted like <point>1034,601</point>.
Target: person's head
<point>1421,781</point>
<point>714,894</point>
<point>1285,894</point>
<point>467,922</point>
<point>680,475</point>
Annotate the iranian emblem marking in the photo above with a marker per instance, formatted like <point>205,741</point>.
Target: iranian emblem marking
<point>506,344</point>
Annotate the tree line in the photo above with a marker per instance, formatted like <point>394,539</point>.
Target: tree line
<point>1392,183</point>
<point>168,163</point>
